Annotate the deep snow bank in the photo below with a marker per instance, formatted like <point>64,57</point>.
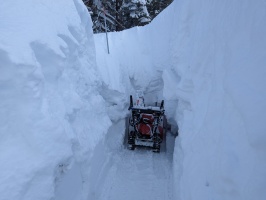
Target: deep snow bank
<point>220,52</point>
<point>51,114</point>
<point>207,60</point>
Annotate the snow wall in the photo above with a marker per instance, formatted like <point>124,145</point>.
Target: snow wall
<point>51,113</point>
<point>207,60</point>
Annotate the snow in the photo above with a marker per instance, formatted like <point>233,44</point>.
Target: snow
<point>224,70</point>
<point>64,100</point>
<point>123,174</point>
<point>51,113</point>
<point>206,60</point>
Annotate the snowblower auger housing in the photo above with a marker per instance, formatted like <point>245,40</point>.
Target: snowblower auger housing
<point>146,125</point>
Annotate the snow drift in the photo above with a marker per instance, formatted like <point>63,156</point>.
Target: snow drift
<point>207,60</point>
<point>50,107</point>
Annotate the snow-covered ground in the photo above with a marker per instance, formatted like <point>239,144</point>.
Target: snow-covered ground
<point>122,174</point>
<point>63,102</point>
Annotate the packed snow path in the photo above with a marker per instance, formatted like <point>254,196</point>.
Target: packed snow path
<point>125,174</point>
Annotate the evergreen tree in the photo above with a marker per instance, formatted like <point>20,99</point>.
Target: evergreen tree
<point>156,6</point>
<point>104,10</point>
<point>135,13</point>
<point>123,14</point>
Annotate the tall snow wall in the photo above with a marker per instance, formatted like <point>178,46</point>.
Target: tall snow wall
<point>51,113</point>
<point>207,60</point>
<point>220,56</point>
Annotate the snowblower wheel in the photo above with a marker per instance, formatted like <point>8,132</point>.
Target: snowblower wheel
<point>131,140</point>
<point>156,145</point>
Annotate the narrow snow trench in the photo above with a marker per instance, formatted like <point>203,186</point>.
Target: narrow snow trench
<point>116,172</point>
<point>125,174</point>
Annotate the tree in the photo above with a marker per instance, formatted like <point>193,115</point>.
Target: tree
<point>123,14</point>
<point>157,6</point>
<point>135,13</point>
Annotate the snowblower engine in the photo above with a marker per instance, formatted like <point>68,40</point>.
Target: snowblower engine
<point>146,125</point>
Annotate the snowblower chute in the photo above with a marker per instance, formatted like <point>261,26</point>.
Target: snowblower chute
<point>146,125</point>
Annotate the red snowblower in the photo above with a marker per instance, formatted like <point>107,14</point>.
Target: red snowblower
<point>147,125</point>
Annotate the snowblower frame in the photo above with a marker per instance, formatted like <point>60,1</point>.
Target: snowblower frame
<point>146,126</point>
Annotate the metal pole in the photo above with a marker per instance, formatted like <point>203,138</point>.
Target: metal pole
<point>106,32</point>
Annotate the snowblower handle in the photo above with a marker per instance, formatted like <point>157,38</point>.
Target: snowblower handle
<point>162,105</point>
<point>131,102</point>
